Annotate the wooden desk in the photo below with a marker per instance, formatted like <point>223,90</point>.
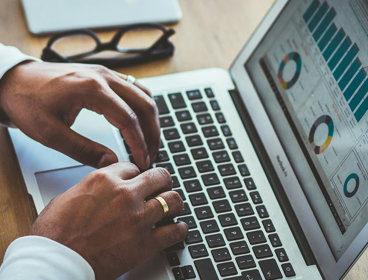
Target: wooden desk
<point>210,34</point>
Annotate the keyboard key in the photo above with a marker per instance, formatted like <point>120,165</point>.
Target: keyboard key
<point>231,143</point>
<point>198,199</point>
<point>232,183</point>
<point>256,198</point>
<point>252,275</point>
<point>256,237</point>
<point>234,233</point>
<point>221,206</point>
<point>210,179</point>
<point>178,273</point>
<point>226,130</point>
<point>189,221</point>
<point>203,213</point>
<point>245,262</point>
<point>244,209</point>
<point>176,147</point>
<point>270,269</point>
<point>171,134</point>
<point>221,254</point>
<point>177,100</point>
<point>181,159</point>
<point>206,269</point>
<point>204,166</point>
<point>194,140</point>
<point>288,269</point>
<point>199,107</point>
<point>215,106</point>
<point>175,181</point>
<point>238,157</point>
<point>187,172</point>
<point>176,247</point>
<point>215,144</point>
<point>166,121</point>
<point>194,236</point>
<point>249,183</point>
<point>227,220</point>
<point>227,269</point>
<point>188,128</point>
<point>239,248</point>
<point>215,240</point>
<point>221,156</point>
<point>226,169</point>
<point>183,116</point>
<point>209,92</point>
<point>188,272</point>
<point>192,186</point>
<point>194,94</point>
<point>210,131</point>
<point>275,240</point>
<point>209,226</point>
<point>162,156</point>
<point>262,251</point>
<point>238,196</point>
<point>216,192</point>
<point>161,104</point>
<point>281,255</point>
<point>199,153</point>
<point>185,210</point>
<point>250,223</point>
<point>173,259</point>
<point>243,169</point>
<point>168,166</point>
<point>204,119</point>
<point>268,225</point>
<point>198,251</point>
<point>220,117</point>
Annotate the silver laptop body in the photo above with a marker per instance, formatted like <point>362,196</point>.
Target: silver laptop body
<point>286,101</point>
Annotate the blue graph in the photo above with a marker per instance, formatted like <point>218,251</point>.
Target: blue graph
<point>340,54</point>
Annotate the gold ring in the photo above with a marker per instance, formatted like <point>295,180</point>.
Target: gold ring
<point>130,79</point>
<point>163,203</point>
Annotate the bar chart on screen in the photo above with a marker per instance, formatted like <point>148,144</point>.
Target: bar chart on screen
<point>341,55</point>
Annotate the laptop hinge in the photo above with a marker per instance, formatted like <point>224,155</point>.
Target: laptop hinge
<point>273,179</point>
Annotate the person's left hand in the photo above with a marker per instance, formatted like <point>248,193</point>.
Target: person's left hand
<point>43,100</point>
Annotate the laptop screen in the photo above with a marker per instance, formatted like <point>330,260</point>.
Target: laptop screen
<point>312,64</point>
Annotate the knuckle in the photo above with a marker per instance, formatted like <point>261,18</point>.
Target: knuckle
<point>100,176</point>
<point>131,119</point>
<point>164,174</point>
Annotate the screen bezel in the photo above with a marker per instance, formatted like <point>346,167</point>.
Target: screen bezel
<point>330,268</point>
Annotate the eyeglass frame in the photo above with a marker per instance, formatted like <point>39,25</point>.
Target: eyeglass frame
<point>161,48</point>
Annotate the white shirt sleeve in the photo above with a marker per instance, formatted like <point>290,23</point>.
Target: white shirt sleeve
<point>36,257</point>
<point>11,56</point>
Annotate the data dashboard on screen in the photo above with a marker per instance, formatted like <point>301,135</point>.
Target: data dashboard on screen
<point>312,63</point>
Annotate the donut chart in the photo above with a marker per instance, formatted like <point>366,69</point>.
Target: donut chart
<point>354,177</point>
<point>325,119</point>
<point>293,56</point>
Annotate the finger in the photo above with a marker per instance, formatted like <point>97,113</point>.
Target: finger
<point>146,110</point>
<point>119,113</point>
<point>166,236</point>
<point>136,83</point>
<point>154,211</point>
<point>57,135</point>
<point>152,182</point>
<point>123,170</point>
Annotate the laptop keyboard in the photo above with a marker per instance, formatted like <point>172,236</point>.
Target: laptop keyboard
<point>230,233</point>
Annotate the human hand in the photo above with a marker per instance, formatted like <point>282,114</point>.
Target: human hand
<point>106,219</point>
<point>43,100</point>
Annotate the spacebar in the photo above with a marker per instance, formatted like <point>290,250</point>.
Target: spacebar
<point>205,269</point>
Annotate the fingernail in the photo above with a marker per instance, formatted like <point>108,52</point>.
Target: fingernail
<point>106,160</point>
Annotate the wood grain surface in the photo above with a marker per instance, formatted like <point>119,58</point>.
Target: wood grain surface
<point>210,34</point>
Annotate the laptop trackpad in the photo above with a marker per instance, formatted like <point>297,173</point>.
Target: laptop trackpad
<point>54,182</point>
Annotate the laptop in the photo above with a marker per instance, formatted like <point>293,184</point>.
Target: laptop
<point>44,16</point>
<point>270,158</point>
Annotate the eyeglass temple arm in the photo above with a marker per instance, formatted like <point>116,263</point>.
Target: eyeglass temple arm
<point>161,40</point>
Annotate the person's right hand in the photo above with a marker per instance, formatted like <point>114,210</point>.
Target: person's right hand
<point>109,217</point>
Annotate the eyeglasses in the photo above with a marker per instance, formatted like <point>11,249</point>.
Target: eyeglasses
<point>161,47</point>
